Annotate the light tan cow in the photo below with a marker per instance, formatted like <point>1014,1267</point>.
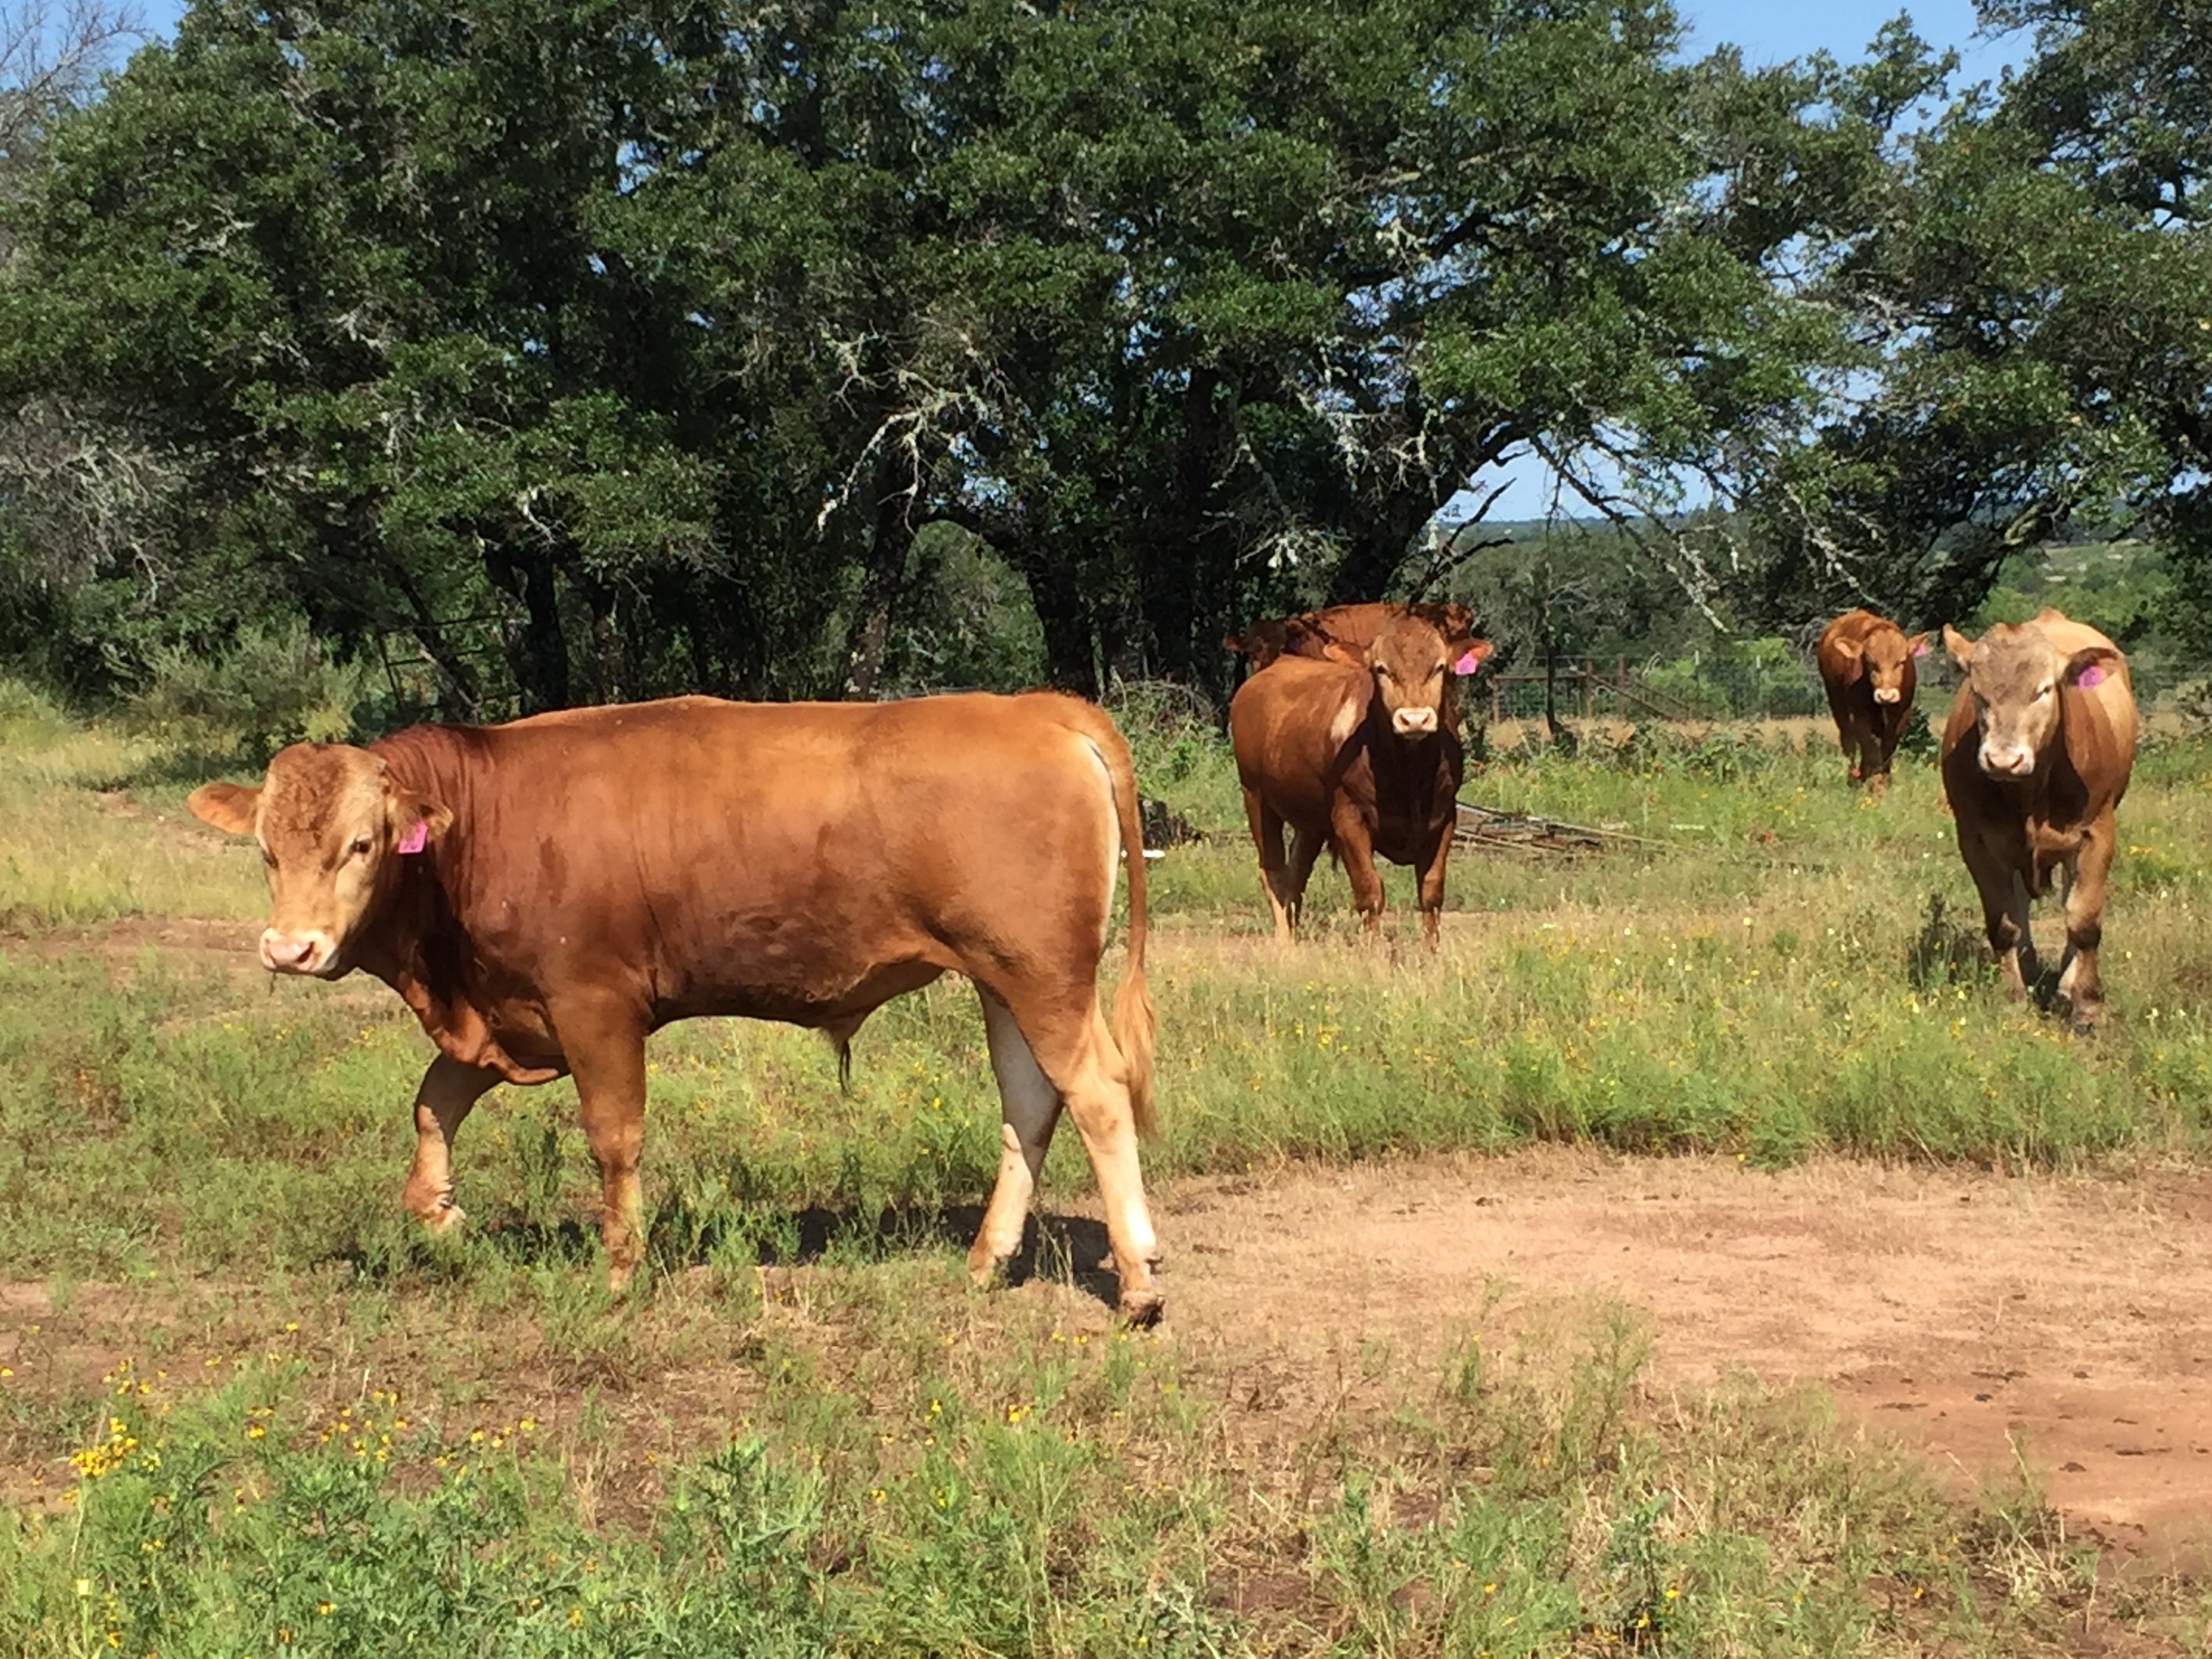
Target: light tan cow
<point>543,895</point>
<point>2036,757</point>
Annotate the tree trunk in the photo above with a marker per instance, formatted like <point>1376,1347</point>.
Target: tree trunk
<point>1071,659</point>
<point>1382,535</point>
<point>1176,561</point>
<point>868,641</point>
<point>537,651</point>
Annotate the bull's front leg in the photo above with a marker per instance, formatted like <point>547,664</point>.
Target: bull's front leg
<point>605,1044</point>
<point>1354,839</point>
<point>449,1090</point>
<point>2004,905</point>
<point>1432,868</point>
<point>2077,981</point>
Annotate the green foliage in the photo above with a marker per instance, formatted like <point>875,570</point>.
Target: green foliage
<point>275,686</point>
<point>610,350</point>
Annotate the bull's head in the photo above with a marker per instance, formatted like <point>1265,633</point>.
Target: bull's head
<point>1416,655</point>
<point>2015,675</point>
<point>333,829</point>
<point>1883,657</point>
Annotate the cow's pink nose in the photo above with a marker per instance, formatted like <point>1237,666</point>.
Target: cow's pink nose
<point>291,953</point>
<point>1413,722</point>
<point>1887,693</point>
<point>2008,763</point>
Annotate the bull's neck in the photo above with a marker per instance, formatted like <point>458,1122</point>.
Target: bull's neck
<point>431,761</point>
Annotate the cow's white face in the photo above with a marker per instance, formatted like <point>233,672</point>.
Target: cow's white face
<point>2015,675</point>
<point>332,829</point>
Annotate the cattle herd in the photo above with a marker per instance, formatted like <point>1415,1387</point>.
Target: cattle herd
<point>545,894</point>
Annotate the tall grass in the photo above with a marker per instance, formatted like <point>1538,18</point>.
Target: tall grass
<point>335,1435</point>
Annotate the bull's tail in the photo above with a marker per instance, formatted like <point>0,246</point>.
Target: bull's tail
<point>1133,1021</point>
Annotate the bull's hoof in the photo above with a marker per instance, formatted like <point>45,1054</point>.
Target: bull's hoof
<point>446,1218</point>
<point>1140,1310</point>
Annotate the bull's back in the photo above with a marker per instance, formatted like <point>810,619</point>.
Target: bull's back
<point>765,855</point>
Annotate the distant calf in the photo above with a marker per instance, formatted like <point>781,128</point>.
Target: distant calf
<point>1358,752</point>
<point>1866,664</point>
<point>2036,757</point>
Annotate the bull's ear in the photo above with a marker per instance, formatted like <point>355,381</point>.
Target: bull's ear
<point>1336,651</point>
<point>2092,665</point>
<point>1233,643</point>
<point>1467,653</point>
<point>417,819</point>
<point>1917,644</point>
<point>227,806</point>
<point>1854,655</point>
<point>1961,648</point>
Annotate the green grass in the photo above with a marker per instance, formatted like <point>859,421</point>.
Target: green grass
<point>806,1434</point>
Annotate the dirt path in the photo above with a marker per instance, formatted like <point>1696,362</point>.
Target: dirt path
<point>1970,1313</point>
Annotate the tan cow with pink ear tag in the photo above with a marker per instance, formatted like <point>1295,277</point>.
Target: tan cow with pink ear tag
<point>2036,757</point>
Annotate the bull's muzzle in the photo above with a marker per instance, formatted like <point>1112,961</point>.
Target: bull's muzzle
<point>1888,694</point>
<point>308,952</point>
<point>2005,762</point>
<point>1413,722</point>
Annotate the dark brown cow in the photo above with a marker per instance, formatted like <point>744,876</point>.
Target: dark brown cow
<point>2036,757</point>
<point>1312,632</point>
<point>1359,753</point>
<point>545,894</point>
<point>1866,664</point>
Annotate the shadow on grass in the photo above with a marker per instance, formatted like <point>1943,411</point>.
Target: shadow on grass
<point>1072,1250</point>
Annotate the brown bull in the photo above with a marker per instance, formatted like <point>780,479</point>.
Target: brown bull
<point>2036,757</point>
<point>1867,668</point>
<point>1359,753</point>
<point>543,895</point>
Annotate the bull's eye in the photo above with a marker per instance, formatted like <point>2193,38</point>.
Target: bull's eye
<point>360,848</point>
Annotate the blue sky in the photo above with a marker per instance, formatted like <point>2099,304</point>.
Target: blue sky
<point>1769,31</point>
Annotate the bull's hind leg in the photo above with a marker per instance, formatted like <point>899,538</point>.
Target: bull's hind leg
<point>1030,1108</point>
<point>1305,846</point>
<point>1070,1045</point>
<point>605,1044</point>
<point>1267,836</point>
<point>449,1090</point>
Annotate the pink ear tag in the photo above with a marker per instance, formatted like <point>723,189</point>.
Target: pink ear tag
<point>2093,675</point>
<point>1920,649</point>
<point>1467,664</point>
<point>417,838</point>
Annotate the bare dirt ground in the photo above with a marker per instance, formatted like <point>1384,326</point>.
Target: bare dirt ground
<point>2063,1322</point>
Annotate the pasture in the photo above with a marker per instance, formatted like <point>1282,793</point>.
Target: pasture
<point>1545,1296</point>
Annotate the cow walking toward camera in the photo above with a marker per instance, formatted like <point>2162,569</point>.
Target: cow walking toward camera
<point>1866,665</point>
<point>2036,757</point>
<point>543,895</point>
<point>1357,751</point>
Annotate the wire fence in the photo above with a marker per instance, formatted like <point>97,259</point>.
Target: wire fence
<point>1706,689</point>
